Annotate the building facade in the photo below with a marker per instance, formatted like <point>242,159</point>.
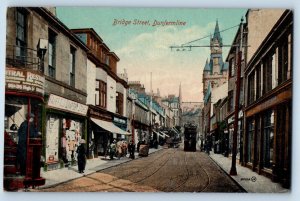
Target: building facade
<point>233,62</point>
<point>35,35</point>
<point>268,95</point>
<point>107,94</point>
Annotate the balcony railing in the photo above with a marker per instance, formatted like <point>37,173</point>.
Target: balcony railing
<point>23,57</point>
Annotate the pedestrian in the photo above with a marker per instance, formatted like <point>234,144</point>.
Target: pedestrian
<point>112,149</point>
<point>124,148</point>
<point>131,149</point>
<point>119,149</point>
<point>81,156</point>
<point>22,141</point>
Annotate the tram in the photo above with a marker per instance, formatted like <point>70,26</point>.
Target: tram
<point>190,135</point>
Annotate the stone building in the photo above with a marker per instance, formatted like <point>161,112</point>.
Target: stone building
<point>106,94</point>
<point>54,60</point>
<point>268,93</point>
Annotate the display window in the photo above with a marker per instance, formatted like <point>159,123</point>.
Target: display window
<point>63,137</point>
<point>21,112</point>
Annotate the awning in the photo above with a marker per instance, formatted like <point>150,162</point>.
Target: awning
<point>109,126</point>
<point>157,133</point>
<point>163,133</point>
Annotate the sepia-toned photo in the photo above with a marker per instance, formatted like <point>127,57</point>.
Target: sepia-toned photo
<point>119,99</point>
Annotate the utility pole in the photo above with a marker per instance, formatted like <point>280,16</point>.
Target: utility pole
<point>237,103</point>
<point>132,121</point>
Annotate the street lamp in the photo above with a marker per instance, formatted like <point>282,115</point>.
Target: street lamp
<point>132,121</point>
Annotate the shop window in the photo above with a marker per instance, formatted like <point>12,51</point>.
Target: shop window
<point>268,144</point>
<point>250,138</point>
<point>72,66</point>
<point>21,37</point>
<point>51,53</point>
<point>17,110</point>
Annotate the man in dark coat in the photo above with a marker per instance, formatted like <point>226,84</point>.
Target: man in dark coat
<point>81,156</point>
<point>22,142</point>
<point>131,149</point>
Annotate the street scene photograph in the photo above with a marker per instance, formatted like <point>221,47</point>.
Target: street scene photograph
<point>120,99</point>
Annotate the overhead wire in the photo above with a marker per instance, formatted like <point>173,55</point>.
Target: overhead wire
<point>209,35</point>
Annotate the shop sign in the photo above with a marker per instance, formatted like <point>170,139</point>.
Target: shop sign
<point>24,81</point>
<point>58,102</point>
<point>100,115</point>
<point>118,120</point>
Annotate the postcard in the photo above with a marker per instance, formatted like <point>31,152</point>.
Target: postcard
<point>116,99</point>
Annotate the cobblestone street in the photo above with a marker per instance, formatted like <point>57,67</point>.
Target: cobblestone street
<point>169,170</point>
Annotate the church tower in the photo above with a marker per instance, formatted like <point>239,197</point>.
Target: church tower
<point>215,70</point>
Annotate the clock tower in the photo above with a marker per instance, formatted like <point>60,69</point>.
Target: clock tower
<point>215,70</point>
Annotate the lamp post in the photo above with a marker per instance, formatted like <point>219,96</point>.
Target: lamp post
<point>237,102</point>
<point>132,121</point>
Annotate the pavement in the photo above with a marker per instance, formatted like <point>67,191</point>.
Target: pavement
<point>62,175</point>
<point>246,178</point>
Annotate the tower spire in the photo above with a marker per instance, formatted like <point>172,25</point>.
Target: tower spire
<point>217,34</point>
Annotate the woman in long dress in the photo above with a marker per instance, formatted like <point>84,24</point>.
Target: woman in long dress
<point>81,156</point>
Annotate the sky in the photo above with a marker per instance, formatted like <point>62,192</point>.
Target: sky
<point>144,49</point>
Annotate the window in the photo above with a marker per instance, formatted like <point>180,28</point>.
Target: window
<point>97,94</point>
<point>241,92</point>
<point>72,66</point>
<point>231,67</point>
<point>268,61</point>
<point>107,60</point>
<point>51,54</point>
<point>250,138</point>
<point>251,88</point>
<point>283,61</point>
<point>119,103</point>
<point>216,60</point>
<point>258,81</point>
<point>268,143</point>
<point>21,36</point>
<point>100,94</point>
<point>230,101</point>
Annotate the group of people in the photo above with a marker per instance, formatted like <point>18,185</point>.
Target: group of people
<point>120,149</point>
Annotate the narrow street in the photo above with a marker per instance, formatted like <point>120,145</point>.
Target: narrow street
<point>168,170</point>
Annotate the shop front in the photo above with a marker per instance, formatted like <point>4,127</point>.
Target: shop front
<point>121,122</point>
<point>24,90</point>
<point>230,128</point>
<point>102,131</point>
<point>267,147</point>
<point>65,127</point>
